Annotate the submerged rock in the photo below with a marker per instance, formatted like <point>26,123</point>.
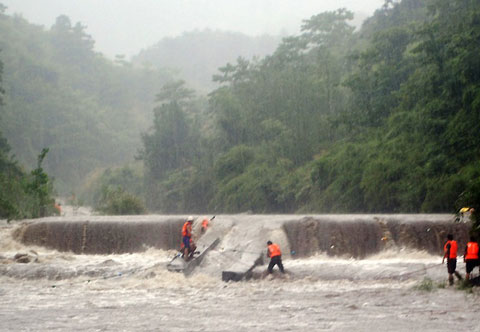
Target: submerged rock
<point>109,262</point>
<point>24,258</point>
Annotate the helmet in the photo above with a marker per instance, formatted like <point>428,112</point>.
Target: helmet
<point>190,218</point>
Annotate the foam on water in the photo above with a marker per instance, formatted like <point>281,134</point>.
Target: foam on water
<point>242,242</point>
<point>124,292</point>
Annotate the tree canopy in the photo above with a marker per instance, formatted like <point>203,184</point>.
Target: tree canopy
<point>380,119</point>
<point>384,119</point>
<point>61,94</point>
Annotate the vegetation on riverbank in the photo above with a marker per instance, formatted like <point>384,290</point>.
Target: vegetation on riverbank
<point>381,119</point>
<point>384,119</point>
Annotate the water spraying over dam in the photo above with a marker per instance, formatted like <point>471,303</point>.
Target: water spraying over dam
<point>344,273</point>
<point>348,235</point>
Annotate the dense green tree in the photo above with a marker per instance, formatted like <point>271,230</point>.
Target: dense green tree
<point>167,146</point>
<point>117,201</point>
<point>174,174</point>
<point>62,94</point>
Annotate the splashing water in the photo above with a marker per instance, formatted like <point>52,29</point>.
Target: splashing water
<point>63,291</point>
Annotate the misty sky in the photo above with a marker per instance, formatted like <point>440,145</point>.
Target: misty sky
<point>127,26</point>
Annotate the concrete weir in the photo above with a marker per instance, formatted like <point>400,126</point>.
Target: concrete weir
<point>103,235</point>
<point>361,235</point>
<point>242,238</point>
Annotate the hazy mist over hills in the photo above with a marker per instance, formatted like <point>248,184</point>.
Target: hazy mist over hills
<point>127,26</point>
<point>193,39</point>
<point>197,55</point>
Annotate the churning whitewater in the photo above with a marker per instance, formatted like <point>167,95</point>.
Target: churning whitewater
<point>377,284</point>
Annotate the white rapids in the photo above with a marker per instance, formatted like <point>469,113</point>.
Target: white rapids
<point>135,292</point>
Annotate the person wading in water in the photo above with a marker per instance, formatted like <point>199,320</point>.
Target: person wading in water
<point>275,255</point>
<point>471,256</point>
<point>450,248</point>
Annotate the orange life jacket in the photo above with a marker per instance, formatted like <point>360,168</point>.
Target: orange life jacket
<point>187,229</point>
<point>274,250</point>
<point>453,249</point>
<point>472,250</point>
<point>205,223</point>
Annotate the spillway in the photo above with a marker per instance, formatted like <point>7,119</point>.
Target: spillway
<point>351,235</point>
<point>243,237</point>
<point>102,234</point>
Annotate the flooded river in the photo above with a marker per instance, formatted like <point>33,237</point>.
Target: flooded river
<point>63,291</point>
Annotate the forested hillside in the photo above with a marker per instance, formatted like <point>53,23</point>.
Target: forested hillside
<point>22,194</point>
<point>385,119</point>
<point>196,55</point>
<point>62,95</point>
<point>90,111</point>
<point>380,119</point>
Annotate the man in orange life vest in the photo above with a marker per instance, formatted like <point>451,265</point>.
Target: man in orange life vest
<point>187,238</point>
<point>204,224</point>
<point>450,249</point>
<point>275,256</point>
<point>471,256</point>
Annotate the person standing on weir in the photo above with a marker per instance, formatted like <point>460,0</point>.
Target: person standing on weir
<point>466,214</point>
<point>275,255</point>
<point>450,248</point>
<point>471,256</point>
<point>204,224</point>
<point>187,237</point>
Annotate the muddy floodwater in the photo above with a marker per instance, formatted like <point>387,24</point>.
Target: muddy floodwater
<point>386,291</point>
